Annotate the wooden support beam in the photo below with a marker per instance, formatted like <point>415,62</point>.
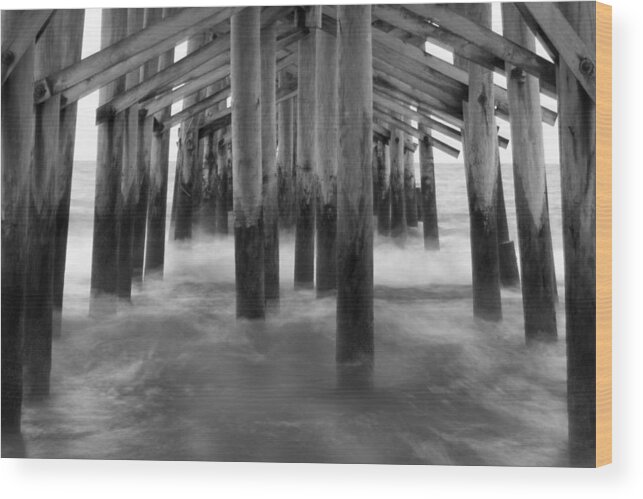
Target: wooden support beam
<point>507,260</point>
<point>189,135</point>
<point>532,213</point>
<point>394,106</point>
<point>246,163</point>
<point>130,178</point>
<point>285,157</point>
<point>118,59</point>
<point>157,199</point>
<point>71,45</point>
<point>327,143</point>
<point>108,173</point>
<point>157,104</point>
<point>557,34</point>
<point>146,125</point>
<point>355,344</point>
<point>41,228</point>
<point>450,76</point>
<point>396,143</point>
<point>476,37</point>
<point>20,35</point>
<point>305,166</point>
<point>210,57</point>
<point>199,107</point>
<point>270,186</point>
<point>291,37</point>
<point>18,125</point>
<point>215,121</point>
<point>577,132</point>
<point>410,203</point>
<point>384,187</point>
<point>394,122</point>
<point>429,193</point>
<point>222,137</point>
<point>482,180</point>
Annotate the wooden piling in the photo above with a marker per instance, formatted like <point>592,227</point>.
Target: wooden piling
<point>355,348</point>
<point>507,261</point>
<point>530,184</point>
<point>246,163</point>
<point>73,21</point>
<point>384,191</point>
<point>186,166</point>
<point>129,186</point>
<point>305,166</point>
<point>429,197</point>
<point>18,125</point>
<point>146,124</point>
<point>269,161</point>
<point>482,172</point>
<point>410,204</point>
<point>285,157</point>
<point>108,176</point>
<point>577,131</point>
<point>41,229</point>
<point>398,213</point>
<point>222,160</point>
<point>327,143</point>
<point>157,195</point>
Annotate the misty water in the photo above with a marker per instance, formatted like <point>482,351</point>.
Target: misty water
<point>175,376</point>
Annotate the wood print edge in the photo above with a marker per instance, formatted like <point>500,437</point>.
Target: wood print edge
<point>604,234</point>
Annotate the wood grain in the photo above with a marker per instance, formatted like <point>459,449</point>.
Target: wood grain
<point>603,234</point>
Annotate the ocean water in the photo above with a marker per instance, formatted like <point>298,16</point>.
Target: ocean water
<point>175,376</point>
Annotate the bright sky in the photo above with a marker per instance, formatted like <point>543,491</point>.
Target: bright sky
<point>86,134</point>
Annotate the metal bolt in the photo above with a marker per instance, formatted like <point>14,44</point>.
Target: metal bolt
<point>586,66</point>
<point>40,91</point>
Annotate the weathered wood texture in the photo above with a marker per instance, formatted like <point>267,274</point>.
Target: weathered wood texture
<point>130,178</point>
<point>121,57</point>
<point>18,124</point>
<point>410,203</point>
<point>186,166</point>
<point>246,163</point>
<point>285,158</point>
<point>429,196</point>
<point>398,213</point>
<point>530,184</point>
<point>507,260</point>
<point>269,161</point>
<point>157,196</point>
<point>19,36</point>
<point>327,143</point>
<point>71,45</point>
<point>305,165</point>
<point>151,17</point>
<point>577,130</point>
<point>41,229</point>
<point>482,180</point>
<point>108,175</point>
<point>223,169</point>
<point>383,188</point>
<point>355,344</point>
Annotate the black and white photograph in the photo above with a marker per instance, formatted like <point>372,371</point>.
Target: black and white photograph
<point>344,234</point>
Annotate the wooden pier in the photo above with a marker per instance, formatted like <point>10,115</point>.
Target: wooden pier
<point>304,119</point>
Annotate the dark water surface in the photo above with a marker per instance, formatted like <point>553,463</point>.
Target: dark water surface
<point>176,377</point>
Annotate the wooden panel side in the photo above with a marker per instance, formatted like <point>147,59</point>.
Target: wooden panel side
<point>603,234</point>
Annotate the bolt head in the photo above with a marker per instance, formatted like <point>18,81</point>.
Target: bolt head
<point>586,67</point>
